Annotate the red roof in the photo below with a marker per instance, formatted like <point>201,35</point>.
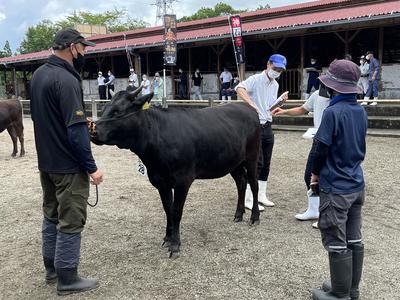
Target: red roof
<point>292,16</point>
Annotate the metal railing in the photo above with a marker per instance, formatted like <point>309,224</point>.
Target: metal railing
<point>94,103</point>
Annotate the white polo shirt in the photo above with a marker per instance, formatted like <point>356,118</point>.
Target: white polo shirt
<point>316,104</point>
<point>264,93</point>
<point>226,77</point>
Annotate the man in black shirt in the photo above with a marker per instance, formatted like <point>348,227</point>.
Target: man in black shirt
<point>65,159</point>
<point>197,78</point>
<point>182,84</point>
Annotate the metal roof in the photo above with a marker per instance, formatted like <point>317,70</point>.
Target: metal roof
<point>294,17</point>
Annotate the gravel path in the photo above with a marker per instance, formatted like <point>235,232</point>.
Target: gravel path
<point>280,259</point>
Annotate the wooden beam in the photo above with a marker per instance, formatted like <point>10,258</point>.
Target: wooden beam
<point>147,64</point>
<point>190,71</point>
<point>301,64</point>
<point>281,43</point>
<point>354,35</point>
<point>340,37</point>
<point>380,47</point>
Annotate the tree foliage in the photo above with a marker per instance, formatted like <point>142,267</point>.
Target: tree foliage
<point>6,52</point>
<point>40,37</point>
<point>220,9</point>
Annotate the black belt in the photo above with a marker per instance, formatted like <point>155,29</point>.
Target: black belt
<point>265,125</point>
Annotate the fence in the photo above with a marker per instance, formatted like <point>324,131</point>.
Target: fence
<point>94,106</point>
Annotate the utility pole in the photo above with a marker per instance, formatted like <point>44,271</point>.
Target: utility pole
<point>163,7</point>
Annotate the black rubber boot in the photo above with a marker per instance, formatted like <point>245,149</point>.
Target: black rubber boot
<point>69,282</point>
<point>358,260</point>
<point>340,265</point>
<point>51,275</point>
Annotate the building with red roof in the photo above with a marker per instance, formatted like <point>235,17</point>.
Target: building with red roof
<point>324,29</point>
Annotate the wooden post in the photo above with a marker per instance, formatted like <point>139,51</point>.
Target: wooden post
<point>147,64</point>
<point>15,83</point>
<point>380,55</point>
<point>242,72</point>
<point>380,46</point>
<point>301,65</point>
<point>189,71</point>
<point>112,65</point>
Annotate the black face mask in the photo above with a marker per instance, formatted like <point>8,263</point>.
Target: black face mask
<point>325,91</point>
<point>78,62</point>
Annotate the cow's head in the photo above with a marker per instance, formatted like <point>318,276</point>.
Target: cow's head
<point>116,115</point>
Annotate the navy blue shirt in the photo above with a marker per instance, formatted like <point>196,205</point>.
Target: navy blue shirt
<point>57,110</point>
<point>343,129</point>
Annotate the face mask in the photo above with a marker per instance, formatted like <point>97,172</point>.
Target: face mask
<point>144,78</point>
<point>325,92</point>
<point>78,62</point>
<point>109,74</point>
<point>273,74</point>
<point>313,62</point>
<point>361,62</point>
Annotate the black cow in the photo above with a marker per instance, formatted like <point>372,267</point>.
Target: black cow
<point>11,119</point>
<point>181,145</point>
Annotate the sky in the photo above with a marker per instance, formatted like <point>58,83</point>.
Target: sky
<point>17,15</point>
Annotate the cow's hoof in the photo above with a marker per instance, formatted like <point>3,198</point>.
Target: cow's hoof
<point>238,219</point>
<point>13,154</point>
<point>22,154</point>
<point>173,255</point>
<point>166,244</point>
<point>254,222</point>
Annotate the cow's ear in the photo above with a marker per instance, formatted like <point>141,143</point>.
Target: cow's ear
<point>132,95</point>
<point>144,99</point>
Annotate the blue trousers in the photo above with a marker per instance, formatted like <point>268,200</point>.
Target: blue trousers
<point>372,88</point>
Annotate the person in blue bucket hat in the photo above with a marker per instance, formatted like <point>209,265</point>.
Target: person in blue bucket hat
<point>261,92</point>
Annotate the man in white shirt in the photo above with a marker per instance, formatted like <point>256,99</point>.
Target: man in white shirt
<point>364,68</point>
<point>225,79</point>
<point>146,85</point>
<point>317,103</point>
<point>102,86</point>
<point>261,92</point>
<point>133,80</point>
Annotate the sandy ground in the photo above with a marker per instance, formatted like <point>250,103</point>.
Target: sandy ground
<point>280,259</point>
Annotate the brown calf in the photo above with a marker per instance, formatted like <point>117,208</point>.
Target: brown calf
<point>11,119</point>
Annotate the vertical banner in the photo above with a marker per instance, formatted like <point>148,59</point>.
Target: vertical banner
<point>170,51</point>
<point>237,40</point>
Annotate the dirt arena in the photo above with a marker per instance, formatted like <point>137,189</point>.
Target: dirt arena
<point>281,258</point>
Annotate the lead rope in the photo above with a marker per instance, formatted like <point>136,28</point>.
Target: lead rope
<point>97,198</point>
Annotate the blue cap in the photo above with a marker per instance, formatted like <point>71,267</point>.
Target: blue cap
<point>278,61</point>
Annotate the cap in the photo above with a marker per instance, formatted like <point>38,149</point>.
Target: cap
<point>66,37</point>
<point>100,73</point>
<point>342,76</point>
<point>278,61</point>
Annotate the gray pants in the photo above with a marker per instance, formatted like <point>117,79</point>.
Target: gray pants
<point>340,220</point>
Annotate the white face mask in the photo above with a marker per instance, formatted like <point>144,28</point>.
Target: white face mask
<point>361,62</point>
<point>273,74</point>
<point>313,62</point>
<point>144,78</point>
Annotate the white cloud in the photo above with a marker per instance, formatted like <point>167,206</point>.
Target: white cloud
<point>2,17</point>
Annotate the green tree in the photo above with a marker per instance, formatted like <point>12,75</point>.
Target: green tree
<point>38,37</point>
<point>266,6</point>
<point>6,50</point>
<point>41,36</point>
<point>115,20</point>
<point>220,9</point>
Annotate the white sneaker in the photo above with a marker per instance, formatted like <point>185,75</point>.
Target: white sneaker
<point>315,225</point>
<point>364,103</point>
<point>248,200</point>
<point>312,211</point>
<point>262,194</point>
<point>374,103</point>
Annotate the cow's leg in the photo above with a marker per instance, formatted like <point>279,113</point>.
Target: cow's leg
<point>166,199</point>
<point>239,175</point>
<point>13,134</point>
<point>251,167</point>
<point>180,194</point>
<point>20,134</point>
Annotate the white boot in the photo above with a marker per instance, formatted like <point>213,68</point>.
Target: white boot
<point>365,102</point>
<point>229,98</point>
<point>248,200</point>
<point>313,208</point>
<point>262,194</point>
<point>375,103</point>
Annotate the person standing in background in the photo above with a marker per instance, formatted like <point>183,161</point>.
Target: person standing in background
<point>374,76</point>
<point>363,82</point>
<point>197,79</point>
<point>313,71</point>
<point>110,83</point>
<point>102,86</point>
